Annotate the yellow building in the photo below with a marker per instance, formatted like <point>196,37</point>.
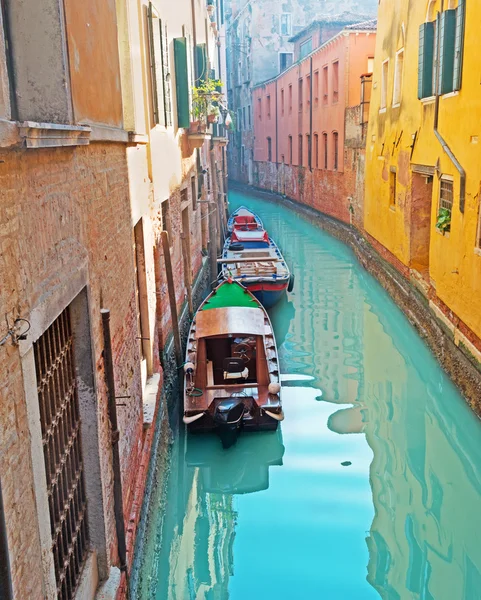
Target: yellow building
<point>423,157</point>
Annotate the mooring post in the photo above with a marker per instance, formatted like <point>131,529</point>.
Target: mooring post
<point>173,304</point>
<point>112,408</point>
<point>187,274</point>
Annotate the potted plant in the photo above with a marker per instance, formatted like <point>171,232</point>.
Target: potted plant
<point>210,7</point>
<point>214,114</point>
<point>443,224</point>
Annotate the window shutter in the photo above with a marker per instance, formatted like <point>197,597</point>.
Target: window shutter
<point>446,51</point>
<point>164,40</point>
<point>182,81</point>
<point>458,45</point>
<point>201,63</point>
<point>153,70</point>
<point>425,60</point>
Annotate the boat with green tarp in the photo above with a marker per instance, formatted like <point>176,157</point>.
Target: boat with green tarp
<point>232,379</point>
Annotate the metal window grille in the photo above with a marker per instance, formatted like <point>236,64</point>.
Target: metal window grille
<point>446,194</point>
<point>60,422</point>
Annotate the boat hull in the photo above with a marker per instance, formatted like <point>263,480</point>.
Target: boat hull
<point>207,424</point>
<point>268,294</point>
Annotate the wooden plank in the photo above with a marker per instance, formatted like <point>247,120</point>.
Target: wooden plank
<point>231,261</point>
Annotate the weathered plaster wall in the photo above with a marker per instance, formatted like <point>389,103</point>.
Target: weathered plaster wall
<point>404,135</point>
<point>94,61</point>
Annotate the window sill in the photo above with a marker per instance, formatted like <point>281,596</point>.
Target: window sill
<point>428,100</point>
<point>477,251</point>
<point>444,235</point>
<point>392,208</point>
<point>382,110</point>
<point>450,95</point>
<point>397,105</point>
<point>51,135</point>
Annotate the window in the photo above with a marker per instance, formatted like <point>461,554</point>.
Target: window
<point>184,197</point>
<point>243,159</point>
<point>193,191</point>
<point>289,146</point>
<point>249,110</point>
<point>325,84</point>
<point>282,102</point>
<point>316,88</point>
<point>268,107</point>
<point>259,108</point>
<point>290,98</point>
<point>478,234</point>
<point>398,78</point>
<point>324,143</point>
<point>459,45</point>
<point>239,118</point>
<point>335,81</point>
<point>446,193</point>
<point>335,140</point>
<point>306,48</point>
<point>269,149</point>
<point>392,187</point>
<point>182,83</point>
<point>299,162</point>
<point>239,73</point>
<point>300,94</point>
<point>285,60</point>
<point>308,90</point>
<point>384,76</point>
<point>316,150</point>
<point>426,60</point>
<point>370,64</point>
<point>286,24</point>
<point>59,409</point>
<point>159,70</point>
<point>244,122</point>
<point>309,155</point>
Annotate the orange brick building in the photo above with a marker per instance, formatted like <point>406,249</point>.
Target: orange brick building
<point>310,121</point>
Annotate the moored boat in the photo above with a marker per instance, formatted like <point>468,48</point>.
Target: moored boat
<point>254,259</point>
<point>232,377</point>
<point>244,217</point>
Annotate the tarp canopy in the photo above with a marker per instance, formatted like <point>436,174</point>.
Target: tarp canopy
<point>232,320</point>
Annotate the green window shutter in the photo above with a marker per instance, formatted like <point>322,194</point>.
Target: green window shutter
<point>459,45</point>
<point>153,69</point>
<point>182,81</point>
<point>164,40</point>
<point>446,51</point>
<point>425,60</point>
<point>201,63</point>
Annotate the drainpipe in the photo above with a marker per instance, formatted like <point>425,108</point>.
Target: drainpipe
<point>6,591</point>
<point>112,406</point>
<point>277,144</point>
<point>442,141</point>
<point>194,41</point>
<point>310,116</point>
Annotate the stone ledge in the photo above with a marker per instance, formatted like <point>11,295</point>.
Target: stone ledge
<point>108,589</point>
<point>149,399</point>
<point>51,135</point>
<point>104,133</point>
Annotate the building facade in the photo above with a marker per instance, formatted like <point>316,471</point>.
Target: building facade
<point>97,161</point>
<point>262,39</point>
<point>422,181</point>
<point>310,123</point>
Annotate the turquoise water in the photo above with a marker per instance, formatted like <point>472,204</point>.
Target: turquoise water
<point>279,516</point>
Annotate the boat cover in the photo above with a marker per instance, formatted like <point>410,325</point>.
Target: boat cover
<point>235,320</point>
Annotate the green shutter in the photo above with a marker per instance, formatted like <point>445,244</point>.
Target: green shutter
<point>182,82</point>
<point>425,60</point>
<point>459,45</point>
<point>446,51</point>
<point>201,63</point>
<point>153,70</point>
<point>164,41</point>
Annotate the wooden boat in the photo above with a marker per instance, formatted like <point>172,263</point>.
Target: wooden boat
<point>232,377</point>
<point>244,217</point>
<point>253,259</point>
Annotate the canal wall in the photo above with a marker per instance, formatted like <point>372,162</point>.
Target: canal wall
<point>449,342</point>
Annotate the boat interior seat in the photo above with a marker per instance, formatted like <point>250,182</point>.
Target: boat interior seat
<point>234,368</point>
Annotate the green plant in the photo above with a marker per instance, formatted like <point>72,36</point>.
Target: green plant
<point>205,99</point>
<point>444,220</point>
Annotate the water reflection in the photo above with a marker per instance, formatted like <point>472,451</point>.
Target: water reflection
<point>243,469</point>
<point>398,522</point>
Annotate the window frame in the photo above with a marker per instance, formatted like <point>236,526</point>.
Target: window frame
<point>335,156</point>
<point>398,78</point>
<point>392,187</point>
<point>288,28</point>
<point>335,81</point>
<point>384,84</point>
<point>269,149</point>
<point>446,179</point>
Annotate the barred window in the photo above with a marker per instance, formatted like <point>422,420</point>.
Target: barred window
<point>62,450</point>
<point>446,192</point>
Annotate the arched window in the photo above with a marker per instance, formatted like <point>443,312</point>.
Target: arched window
<point>324,143</point>
<point>316,150</point>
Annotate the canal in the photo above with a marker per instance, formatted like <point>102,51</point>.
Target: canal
<point>370,489</point>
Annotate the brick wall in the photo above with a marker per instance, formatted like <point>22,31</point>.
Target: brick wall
<point>64,211</point>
